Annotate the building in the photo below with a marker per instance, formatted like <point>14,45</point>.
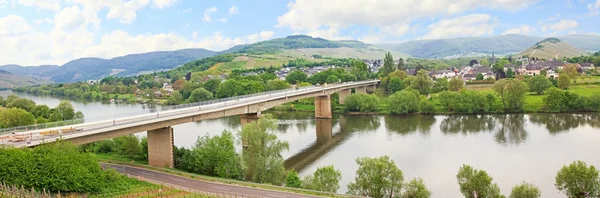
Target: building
<point>469,77</point>
<point>442,74</point>
<point>92,82</point>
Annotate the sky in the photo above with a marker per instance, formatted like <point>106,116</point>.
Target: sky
<point>36,32</point>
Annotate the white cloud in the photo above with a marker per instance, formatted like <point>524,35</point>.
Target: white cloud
<point>469,25</point>
<point>264,35</point>
<point>163,3</point>
<point>126,11</point>
<point>331,33</point>
<point>572,32</point>
<point>3,3</point>
<point>233,10</point>
<point>338,14</point>
<point>370,39</point>
<point>13,25</point>
<point>397,29</point>
<point>561,25</point>
<point>41,4</point>
<point>224,20</point>
<point>43,20</point>
<point>594,8</point>
<point>208,13</point>
<point>523,29</point>
<point>70,18</point>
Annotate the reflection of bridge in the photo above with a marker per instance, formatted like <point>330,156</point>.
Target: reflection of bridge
<point>158,125</point>
<point>325,142</point>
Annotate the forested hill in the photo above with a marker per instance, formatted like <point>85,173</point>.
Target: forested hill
<point>296,42</point>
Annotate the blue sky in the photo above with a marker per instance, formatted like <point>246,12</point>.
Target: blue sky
<point>34,32</point>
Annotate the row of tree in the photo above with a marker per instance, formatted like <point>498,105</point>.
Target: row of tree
<point>22,111</point>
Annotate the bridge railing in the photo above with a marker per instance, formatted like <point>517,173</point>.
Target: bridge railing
<point>146,116</point>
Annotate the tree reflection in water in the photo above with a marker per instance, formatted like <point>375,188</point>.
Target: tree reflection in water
<point>560,123</point>
<point>510,128</point>
<point>465,124</point>
<point>359,123</point>
<point>405,125</point>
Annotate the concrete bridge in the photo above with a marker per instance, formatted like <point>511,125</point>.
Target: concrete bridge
<point>158,125</point>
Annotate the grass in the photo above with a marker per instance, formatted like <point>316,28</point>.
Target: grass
<point>141,164</point>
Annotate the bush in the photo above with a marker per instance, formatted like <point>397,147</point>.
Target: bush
<point>468,101</point>
<point>70,170</point>
<point>362,102</point>
<point>425,107</point>
<point>403,102</point>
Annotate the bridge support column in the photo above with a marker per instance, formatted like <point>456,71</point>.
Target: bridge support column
<point>323,107</point>
<point>245,119</point>
<point>324,130</point>
<point>361,90</point>
<point>371,89</point>
<point>343,94</point>
<point>160,147</point>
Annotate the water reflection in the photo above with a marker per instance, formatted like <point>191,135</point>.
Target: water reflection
<point>405,125</point>
<point>560,123</point>
<point>359,123</point>
<point>511,128</point>
<point>465,124</point>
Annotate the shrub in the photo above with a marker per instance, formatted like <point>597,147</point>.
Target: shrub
<point>403,102</point>
<point>362,102</point>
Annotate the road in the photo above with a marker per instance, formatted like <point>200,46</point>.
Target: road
<point>204,186</point>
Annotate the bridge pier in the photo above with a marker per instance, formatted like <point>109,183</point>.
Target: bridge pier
<point>361,90</point>
<point>371,88</point>
<point>160,147</point>
<point>343,94</point>
<point>323,106</point>
<point>245,119</point>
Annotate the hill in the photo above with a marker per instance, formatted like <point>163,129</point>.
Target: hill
<point>552,48</point>
<point>9,80</point>
<point>34,71</point>
<point>472,46</point>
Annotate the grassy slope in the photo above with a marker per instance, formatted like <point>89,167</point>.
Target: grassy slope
<point>550,50</point>
<point>10,80</point>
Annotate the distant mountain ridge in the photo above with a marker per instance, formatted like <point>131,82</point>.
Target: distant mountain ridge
<point>503,44</point>
<point>96,68</point>
<point>296,42</point>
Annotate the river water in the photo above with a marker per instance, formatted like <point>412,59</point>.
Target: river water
<point>512,148</point>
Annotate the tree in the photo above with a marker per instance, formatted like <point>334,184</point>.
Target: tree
<point>263,157</point>
<point>511,74</point>
<point>422,82</point>
<point>14,117</point>
<point>455,84</point>
<point>394,84</point>
<point>362,102</point>
<point>178,84</point>
<point>512,93</point>
<point>323,179</point>
<point>543,72</point>
<point>64,111</point>
<point>484,62</point>
<point>555,100</point>
<point>564,82</point>
<point>388,64</point>
<point>229,88</point>
<point>416,189</point>
<point>332,79</point>
<point>578,180</point>
<point>403,102</point>
<point>400,64</point>
<point>129,146</point>
<point>376,177</point>
<point>199,95</point>
<point>175,98</point>
<point>539,84</point>
<point>479,76</point>
<point>476,183</point>
<point>21,103</point>
<point>296,76</point>
<point>292,179</point>
<point>42,111</point>
<point>572,71</point>
<point>441,84</point>
<point>359,69</point>
<point>216,156</point>
<point>525,190</point>
<point>425,107</point>
<point>212,85</point>
<point>276,84</point>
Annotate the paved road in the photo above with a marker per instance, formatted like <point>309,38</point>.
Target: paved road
<point>203,186</point>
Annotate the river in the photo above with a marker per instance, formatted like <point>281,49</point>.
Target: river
<point>511,147</point>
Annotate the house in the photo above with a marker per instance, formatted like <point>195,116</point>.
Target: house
<point>533,70</point>
<point>480,69</point>
<point>158,94</point>
<point>92,82</point>
<point>587,66</point>
<point>442,74</point>
<point>469,77</point>
<point>488,75</point>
